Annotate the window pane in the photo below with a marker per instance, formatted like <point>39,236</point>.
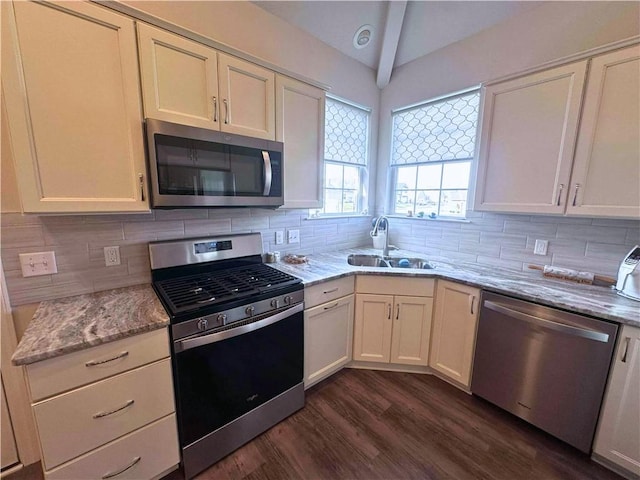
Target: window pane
<point>333,175</point>
<point>456,175</point>
<point>453,203</point>
<point>427,201</point>
<point>333,201</point>
<point>349,201</point>
<point>429,176</point>
<point>351,178</point>
<point>404,201</point>
<point>406,178</point>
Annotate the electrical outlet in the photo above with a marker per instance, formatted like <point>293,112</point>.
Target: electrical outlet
<point>279,237</point>
<point>540,247</point>
<point>111,256</point>
<point>38,263</point>
<point>293,236</point>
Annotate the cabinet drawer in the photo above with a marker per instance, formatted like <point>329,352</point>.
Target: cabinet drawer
<point>156,446</point>
<point>78,421</point>
<point>66,372</point>
<point>415,287</point>
<point>327,291</point>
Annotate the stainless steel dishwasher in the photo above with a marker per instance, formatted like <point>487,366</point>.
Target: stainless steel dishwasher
<point>547,366</point>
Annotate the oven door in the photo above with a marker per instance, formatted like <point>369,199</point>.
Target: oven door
<point>222,376</point>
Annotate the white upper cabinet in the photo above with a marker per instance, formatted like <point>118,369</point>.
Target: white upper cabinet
<point>179,78</point>
<point>606,171</point>
<point>71,87</point>
<point>526,143</point>
<point>300,126</point>
<point>189,83</point>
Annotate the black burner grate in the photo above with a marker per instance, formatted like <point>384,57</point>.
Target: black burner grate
<point>204,289</point>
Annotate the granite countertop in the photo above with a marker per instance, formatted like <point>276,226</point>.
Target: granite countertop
<point>598,301</point>
<point>75,323</point>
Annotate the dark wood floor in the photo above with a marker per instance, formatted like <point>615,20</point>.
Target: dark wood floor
<point>363,424</point>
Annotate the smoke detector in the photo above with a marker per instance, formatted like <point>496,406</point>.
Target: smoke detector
<point>363,36</point>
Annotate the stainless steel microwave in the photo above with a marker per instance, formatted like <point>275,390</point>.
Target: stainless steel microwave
<point>196,167</point>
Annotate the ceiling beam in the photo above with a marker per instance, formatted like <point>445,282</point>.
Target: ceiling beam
<point>390,38</point>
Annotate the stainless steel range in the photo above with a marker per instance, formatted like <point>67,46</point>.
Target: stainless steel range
<point>237,342</point>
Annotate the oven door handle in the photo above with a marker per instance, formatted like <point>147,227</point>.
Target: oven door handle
<point>188,344</point>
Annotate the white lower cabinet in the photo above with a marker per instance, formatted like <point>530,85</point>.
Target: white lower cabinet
<point>618,436</point>
<point>118,421</point>
<point>328,329</point>
<point>454,331</point>
<point>393,320</point>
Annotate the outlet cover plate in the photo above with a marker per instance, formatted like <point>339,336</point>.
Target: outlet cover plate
<point>293,236</point>
<point>279,237</point>
<point>38,263</point>
<point>540,247</point>
<point>112,256</point>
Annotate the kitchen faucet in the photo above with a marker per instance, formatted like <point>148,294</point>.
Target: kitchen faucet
<point>374,232</point>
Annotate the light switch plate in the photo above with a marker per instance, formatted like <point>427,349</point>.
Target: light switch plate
<point>38,263</point>
<point>540,247</point>
<point>293,236</point>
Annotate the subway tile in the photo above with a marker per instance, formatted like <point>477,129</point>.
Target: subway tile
<point>607,251</point>
<point>461,236</point>
<point>560,219</point>
<point>633,236</point>
<point>194,228</point>
<point>517,217</point>
<point>101,284</point>
<point>15,280</point>
<point>594,265</point>
<point>22,236</point>
<point>499,262</point>
<point>277,221</point>
<point>149,231</point>
<point>132,217</point>
<point>593,233</point>
<point>461,256</point>
<point>503,239</point>
<point>477,248</point>
<point>246,224</point>
<point>528,228</point>
<point>228,212</point>
<point>327,230</point>
<point>18,219</point>
<point>59,234</point>
<point>138,265</point>
<point>39,294</point>
<point>616,222</point>
<point>182,214</point>
<point>523,255</point>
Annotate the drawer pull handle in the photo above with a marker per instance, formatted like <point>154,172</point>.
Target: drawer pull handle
<point>111,412</point>
<point>122,470</point>
<point>93,363</point>
<point>330,291</point>
<point>331,306</point>
<point>398,312</point>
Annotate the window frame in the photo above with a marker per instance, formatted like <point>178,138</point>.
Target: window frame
<point>363,170</point>
<point>393,169</point>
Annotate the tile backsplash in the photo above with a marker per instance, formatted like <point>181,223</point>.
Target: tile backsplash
<point>79,241</point>
<point>504,240</point>
<point>507,241</point>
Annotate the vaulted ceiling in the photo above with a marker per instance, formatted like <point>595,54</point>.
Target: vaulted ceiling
<point>402,30</point>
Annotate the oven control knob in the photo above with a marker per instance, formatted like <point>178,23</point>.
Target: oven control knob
<point>288,300</point>
<point>203,324</point>
<point>275,303</point>
<point>221,318</point>
<point>250,309</point>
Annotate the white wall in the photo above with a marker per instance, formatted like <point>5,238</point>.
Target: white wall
<point>546,33</point>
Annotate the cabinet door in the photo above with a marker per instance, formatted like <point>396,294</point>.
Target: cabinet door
<point>8,451</point>
<point>300,125</point>
<point>454,330</point>
<point>328,339</point>
<point>606,171</point>
<point>411,330</point>
<point>248,96</point>
<point>618,437</point>
<point>179,78</point>
<point>70,78</point>
<point>372,329</point>
<point>526,144</point>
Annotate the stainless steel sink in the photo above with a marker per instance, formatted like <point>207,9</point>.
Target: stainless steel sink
<point>359,260</point>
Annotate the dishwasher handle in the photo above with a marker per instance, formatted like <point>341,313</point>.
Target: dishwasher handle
<point>541,322</point>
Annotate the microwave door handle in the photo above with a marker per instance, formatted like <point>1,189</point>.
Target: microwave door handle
<point>267,173</point>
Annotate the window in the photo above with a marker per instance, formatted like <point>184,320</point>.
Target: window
<point>345,157</point>
<point>432,149</point>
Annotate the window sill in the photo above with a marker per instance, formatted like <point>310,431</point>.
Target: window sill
<point>330,217</point>
<point>427,219</point>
